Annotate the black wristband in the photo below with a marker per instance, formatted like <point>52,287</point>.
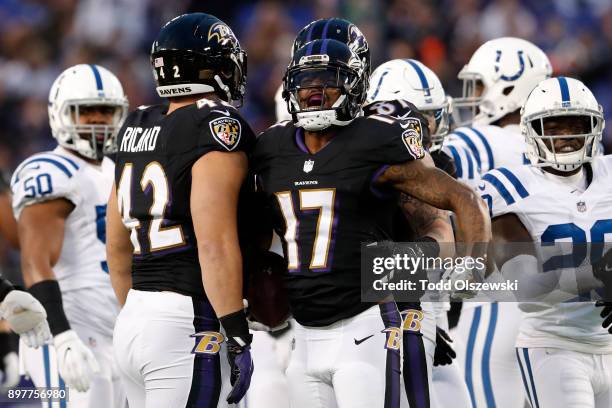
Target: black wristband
<point>49,295</point>
<point>432,249</point>
<point>5,288</point>
<point>235,324</point>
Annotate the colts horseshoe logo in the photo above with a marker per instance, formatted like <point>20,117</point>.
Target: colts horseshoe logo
<point>516,75</point>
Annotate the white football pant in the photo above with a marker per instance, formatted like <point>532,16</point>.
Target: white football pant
<point>106,390</point>
<point>555,378</point>
<point>353,363</point>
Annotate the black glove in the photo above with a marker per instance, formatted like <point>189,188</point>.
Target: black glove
<point>238,354</point>
<point>444,353</point>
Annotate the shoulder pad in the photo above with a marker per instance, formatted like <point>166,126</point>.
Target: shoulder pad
<point>502,188</point>
<point>42,177</point>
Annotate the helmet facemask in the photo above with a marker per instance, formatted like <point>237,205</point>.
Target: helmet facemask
<point>90,140</point>
<point>468,106</point>
<point>316,116</point>
<point>441,118</point>
<point>541,144</point>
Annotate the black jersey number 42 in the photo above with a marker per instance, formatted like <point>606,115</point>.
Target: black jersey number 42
<point>312,199</point>
<point>160,238</point>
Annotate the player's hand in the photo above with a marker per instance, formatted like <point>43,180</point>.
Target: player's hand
<point>606,314</point>
<point>444,353</point>
<point>26,317</point>
<point>258,326</point>
<point>241,364</point>
<point>238,340</point>
<point>77,364</point>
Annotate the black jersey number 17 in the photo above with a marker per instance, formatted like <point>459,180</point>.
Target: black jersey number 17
<point>160,237</point>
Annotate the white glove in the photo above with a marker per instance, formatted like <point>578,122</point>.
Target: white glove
<point>459,282</point>
<point>26,317</point>
<point>254,325</point>
<point>77,364</point>
<point>257,326</point>
<point>10,374</point>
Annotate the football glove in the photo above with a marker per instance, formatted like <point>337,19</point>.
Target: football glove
<point>258,326</point>
<point>238,354</point>
<point>444,353</point>
<point>26,317</point>
<point>77,364</point>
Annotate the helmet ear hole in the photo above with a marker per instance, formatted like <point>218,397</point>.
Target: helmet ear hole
<point>507,90</point>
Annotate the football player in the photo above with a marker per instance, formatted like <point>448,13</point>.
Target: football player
<point>394,84</point>
<point>565,355</point>
<point>59,201</point>
<point>172,232</point>
<point>497,81</point>
<point>323,173</point>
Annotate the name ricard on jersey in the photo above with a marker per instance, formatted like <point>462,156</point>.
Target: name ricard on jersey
<point>137,139</point>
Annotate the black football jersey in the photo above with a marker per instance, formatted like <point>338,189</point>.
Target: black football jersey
<point>403,109</point>
<point>399,109</point>
<point>153,179</point>
<point>325,205</point>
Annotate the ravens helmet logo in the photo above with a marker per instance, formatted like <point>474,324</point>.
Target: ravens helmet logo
<point>223,33</point>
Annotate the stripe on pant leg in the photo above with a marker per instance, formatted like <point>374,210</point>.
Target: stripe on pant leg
<point>62,386</point>
<point>469,380</point>
<point>527,390</point>
<point>47,364</point>
<point>530,373</point>
<point>206,376</point>
<point>415,370</point>
<point>391,318</point>
<point>486,358</point>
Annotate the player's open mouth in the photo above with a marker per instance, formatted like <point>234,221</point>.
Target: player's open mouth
<point>569,147</point>
<point>314,101</point>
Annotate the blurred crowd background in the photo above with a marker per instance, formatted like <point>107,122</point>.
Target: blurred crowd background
<point>40,38</point>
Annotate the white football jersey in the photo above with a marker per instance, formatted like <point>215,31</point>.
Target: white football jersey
<point>488,147</point>
<point>81,270</point>
<point>553,210</point>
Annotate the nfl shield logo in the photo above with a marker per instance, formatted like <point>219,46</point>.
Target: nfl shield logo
<point>308,165</point>
<point>226,131</point>
<point>581,205</point>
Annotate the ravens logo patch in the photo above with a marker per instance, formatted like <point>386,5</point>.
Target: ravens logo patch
<point>413,137</point>
<point>226,131</point>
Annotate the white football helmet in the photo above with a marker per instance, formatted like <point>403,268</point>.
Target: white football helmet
<point>79,86</point>
<point>281,106</point>
<point>412,81</point>
<point>506,69</point>
<point>556,97</point>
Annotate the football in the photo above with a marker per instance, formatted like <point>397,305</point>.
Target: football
<point>268,303</point>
